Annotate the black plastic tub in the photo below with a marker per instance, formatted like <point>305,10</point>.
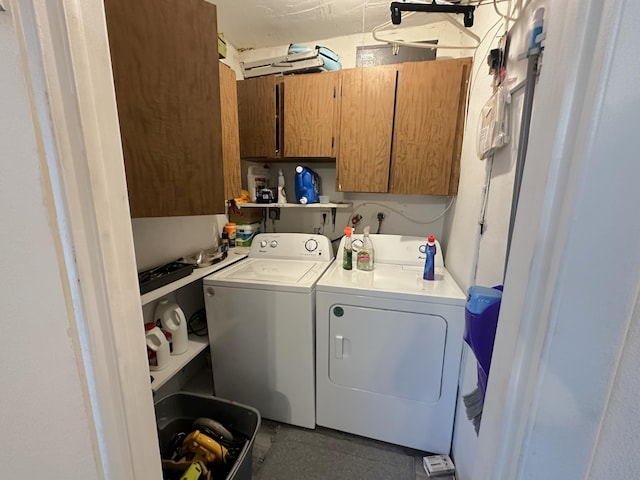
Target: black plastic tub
<point>175,413</point>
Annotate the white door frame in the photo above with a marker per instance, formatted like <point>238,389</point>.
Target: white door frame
<point>574,270</point>
<point>66,61</point>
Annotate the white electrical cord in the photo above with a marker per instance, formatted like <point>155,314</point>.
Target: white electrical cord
<point>386,207</point>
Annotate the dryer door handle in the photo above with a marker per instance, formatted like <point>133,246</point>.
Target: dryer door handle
<point>339,340</point>
<point>342,347</point>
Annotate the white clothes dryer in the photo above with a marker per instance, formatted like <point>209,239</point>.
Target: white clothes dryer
<point>388,347</point>
<point>261,320</point>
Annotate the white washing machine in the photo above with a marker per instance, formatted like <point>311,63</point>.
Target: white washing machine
<point>261,319</point>
<point>388,347</point>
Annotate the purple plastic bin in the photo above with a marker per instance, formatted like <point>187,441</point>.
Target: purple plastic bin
<point>481,322</point>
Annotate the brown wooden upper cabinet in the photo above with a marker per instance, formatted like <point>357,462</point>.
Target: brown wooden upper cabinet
<point>289,117</point>
<point>230,135</point>
<point>165,65</point>
<point>401,127</point>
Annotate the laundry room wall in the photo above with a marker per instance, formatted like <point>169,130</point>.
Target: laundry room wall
<point>406,214</point>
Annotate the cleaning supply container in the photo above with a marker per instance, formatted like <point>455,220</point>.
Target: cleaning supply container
<point>245,233</point>
<point>365,257</point>
<point>172,319</point>
<point>282,194</point>
<point>430,260</point>
<point>307,185</point>
<point>347,254</point>
<point>231,230</point>
<point>157,347</point>
<point>257,179</point>
<point>481,322</point>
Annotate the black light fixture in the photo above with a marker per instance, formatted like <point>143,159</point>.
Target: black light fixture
<point>398,7</point>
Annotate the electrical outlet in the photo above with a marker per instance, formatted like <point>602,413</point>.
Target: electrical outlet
<point>274,213</point>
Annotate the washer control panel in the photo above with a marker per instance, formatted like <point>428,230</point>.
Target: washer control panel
<point>292,245</point>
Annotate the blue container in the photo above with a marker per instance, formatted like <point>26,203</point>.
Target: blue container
<point>307,185</point>
<point>430,260</point>
<point>481,322</point>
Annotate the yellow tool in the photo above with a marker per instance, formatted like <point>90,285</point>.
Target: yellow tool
<point>204,448</point>
<point>194,472</point>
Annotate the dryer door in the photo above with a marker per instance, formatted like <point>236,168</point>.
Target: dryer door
<point>387,352</point>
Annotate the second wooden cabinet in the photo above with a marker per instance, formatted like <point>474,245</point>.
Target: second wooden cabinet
<point>401,127</point>
<point>293,116</point>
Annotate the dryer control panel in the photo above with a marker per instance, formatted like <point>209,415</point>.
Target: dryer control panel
<point>292,246</point>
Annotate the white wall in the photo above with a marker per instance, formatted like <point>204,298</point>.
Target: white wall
<point>417,208</point>
<point>46,428</point>
<point>165,239</point>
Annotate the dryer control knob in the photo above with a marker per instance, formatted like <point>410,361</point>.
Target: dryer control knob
<point>422,248</point>
<point>311,245</point>
<point>263,243</point>
<point>273,244</point>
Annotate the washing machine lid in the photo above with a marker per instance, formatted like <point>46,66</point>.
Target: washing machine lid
<point>401,282</point>
<point>270,274</point>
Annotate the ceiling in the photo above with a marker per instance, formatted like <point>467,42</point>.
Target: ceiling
<point>269,23</point>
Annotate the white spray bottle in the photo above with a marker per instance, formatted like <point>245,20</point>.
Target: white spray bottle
<point>282,195</point>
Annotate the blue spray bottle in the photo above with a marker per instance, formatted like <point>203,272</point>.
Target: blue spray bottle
<point>430,261</point>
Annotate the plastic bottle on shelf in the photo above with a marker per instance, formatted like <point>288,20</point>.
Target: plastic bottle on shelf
<point>282,195</point>
<point>429,262</point>
<point>172,319</point>
<point>347,255</point>
<point>230,228</point>
<point>365,254</point>
<point>257,179</point>
<point>157,347</point>
<point>307,185</point>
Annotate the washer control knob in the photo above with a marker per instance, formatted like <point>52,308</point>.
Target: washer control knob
<point>263,243</point>
<point>273,244</point>
<point>423,249</point>
<point>311,245</point>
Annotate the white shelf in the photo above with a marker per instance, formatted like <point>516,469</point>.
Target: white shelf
<point>177,362</point>
<point>232,257</point>
<point>295,205</point>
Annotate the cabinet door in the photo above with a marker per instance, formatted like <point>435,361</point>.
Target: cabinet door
<point>257,117</point>
<point>429,122</point>
<point>165,66</point>
<point>367,97</point>
<point>230,137</point>
<point>310,114</point>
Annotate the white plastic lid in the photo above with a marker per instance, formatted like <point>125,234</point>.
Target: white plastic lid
<point>303,200</point>
<point>299,169</point>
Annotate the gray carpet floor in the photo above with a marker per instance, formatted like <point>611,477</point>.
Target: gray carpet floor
<point>284,452</point>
